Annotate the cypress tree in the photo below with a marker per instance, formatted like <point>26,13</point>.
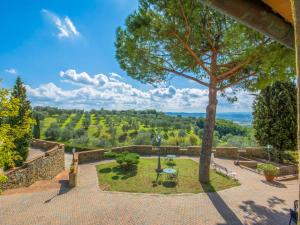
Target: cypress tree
<point>275,117</point>
<point>37,128</point>
<point>22,119</point>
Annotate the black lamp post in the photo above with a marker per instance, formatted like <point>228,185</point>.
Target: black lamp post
<point>158,143</point>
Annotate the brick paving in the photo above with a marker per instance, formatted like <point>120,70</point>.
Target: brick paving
<point>254,202</point>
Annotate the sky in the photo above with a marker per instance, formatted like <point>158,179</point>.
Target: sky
<point>64,52</point>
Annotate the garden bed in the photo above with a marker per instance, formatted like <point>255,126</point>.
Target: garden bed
<point>142,180</point>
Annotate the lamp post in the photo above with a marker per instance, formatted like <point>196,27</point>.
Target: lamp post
<point>158,143</point>
<point>73,152</point>
<point>269,147</point>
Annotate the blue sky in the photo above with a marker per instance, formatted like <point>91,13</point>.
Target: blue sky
<point>64,52</point>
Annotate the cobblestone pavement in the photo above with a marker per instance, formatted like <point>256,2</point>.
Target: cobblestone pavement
<point>254,202</point>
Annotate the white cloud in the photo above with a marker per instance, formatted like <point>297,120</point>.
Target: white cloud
<point>111,92</point>
<point>65,26</point>
<point>11,71</point>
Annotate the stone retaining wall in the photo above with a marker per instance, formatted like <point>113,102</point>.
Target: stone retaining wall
<point>227,152</point>
<point>44,167</point>
<point>90,156</point>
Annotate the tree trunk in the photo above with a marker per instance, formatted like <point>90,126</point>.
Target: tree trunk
<point>295,6</point>
<point>207,139</point>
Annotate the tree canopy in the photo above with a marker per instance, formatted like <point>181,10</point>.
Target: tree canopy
<point>22,119</point>
<point>275,116</point>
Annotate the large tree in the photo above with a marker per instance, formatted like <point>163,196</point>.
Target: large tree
<point>22,119</point>
<point>275,117</point>
<point>166,38</point>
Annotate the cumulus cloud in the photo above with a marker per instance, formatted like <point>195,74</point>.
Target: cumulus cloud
<point>11,71</point>
<point>65,26</point>
<point>111,92</point>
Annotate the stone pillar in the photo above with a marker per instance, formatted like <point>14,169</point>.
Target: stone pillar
<point>295,6</point>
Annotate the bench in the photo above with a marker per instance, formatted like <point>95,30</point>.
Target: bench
<point>222,169</point>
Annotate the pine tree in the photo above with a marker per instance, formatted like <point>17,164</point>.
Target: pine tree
<point>275,117</point>
<point>22,119</point>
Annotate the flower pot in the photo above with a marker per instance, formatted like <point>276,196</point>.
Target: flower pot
<point>72,180</point>
<point>269,177</point>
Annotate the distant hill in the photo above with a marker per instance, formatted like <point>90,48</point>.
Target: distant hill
<point>243,118</point>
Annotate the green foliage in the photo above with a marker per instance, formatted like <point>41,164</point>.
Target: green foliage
<point>149,123</point>
<point>53,132</point>
<point>67,133</point>
<point>143,138</point>
<point>268,169</point>
<point>3,179</point>
<point>224,127</point>
<point>110,155</point>
<point>127,161</point>
<point>122,137</point>
<point>9,134</point>
<point>275,117</point>
<point>23,118</point>
<point>181,133</point>
<point>290,157</point>
<point>37,128</point>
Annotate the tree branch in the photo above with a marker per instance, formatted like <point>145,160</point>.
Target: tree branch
<point>236,82</point>
<point>193,54</point>
<point>232,71</point>
<point>186,76</point>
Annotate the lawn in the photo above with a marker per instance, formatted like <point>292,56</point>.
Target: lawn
<point>112,178</point>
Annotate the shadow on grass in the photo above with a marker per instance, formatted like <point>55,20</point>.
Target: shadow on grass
<point>169,184</point>
<point>121,173</point>
<point>105,170</point>
<point>223,209</point>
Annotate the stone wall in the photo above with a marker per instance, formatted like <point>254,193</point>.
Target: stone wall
<point>257,152</point>
<point>288,170</point>
<point>90,156</point>
<point>44,167</point>
<point>226,152</point>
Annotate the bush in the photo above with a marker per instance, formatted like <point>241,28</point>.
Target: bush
<point>127,160</point>
<point>110,155</point>
<point>143,138</point>
<point>122,137</point>
<point>53,132</point>
<point>181,133</point>
<point>133,133</point>
<point>3,179</point>
<point>268,169</point>
<point>193,139</point>
<point>290,157</point>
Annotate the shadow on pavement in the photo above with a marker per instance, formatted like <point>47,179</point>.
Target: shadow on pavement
<point>64,188</point>
<point>259,214</point>
<point>223,209</point>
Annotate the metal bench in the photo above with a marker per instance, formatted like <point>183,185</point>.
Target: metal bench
<point>224,170</point>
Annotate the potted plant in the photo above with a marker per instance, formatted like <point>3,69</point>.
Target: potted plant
<point>270,171</point>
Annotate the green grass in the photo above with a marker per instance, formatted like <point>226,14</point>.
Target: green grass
<point>112,178</point>
<point>80,122</point>
<point>93,126</point>
<point>67,121</point>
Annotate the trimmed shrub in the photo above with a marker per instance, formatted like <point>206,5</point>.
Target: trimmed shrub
<point>127,161</point>
<point>110,155</point>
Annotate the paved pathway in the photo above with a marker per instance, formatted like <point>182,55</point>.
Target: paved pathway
<point>254,202</point>
<point>34,153</point>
